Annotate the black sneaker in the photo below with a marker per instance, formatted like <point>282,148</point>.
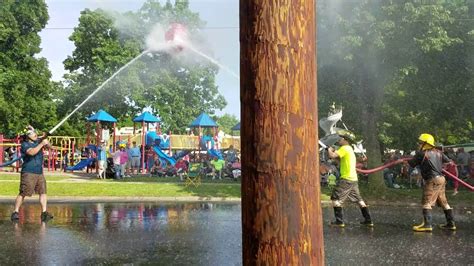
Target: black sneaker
<point>46,216</point>
<point>15,216</point>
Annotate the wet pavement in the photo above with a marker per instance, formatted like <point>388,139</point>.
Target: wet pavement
<point>210,234</point>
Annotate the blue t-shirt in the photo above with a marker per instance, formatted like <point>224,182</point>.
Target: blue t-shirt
<point>134,152</point>
<point>102,155</point>
<point>31,164</point>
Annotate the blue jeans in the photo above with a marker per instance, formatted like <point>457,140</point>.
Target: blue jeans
<point>118,171</point>
<point>149,164</point>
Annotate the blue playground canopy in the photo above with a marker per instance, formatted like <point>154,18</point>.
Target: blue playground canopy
<point>236,127</point>
<point>203,120</point>
<point>102,116</point>
<point>146,117</point>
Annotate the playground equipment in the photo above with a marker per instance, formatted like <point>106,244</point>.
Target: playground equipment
<point>101,117</point>
<point>84,162</point>
<point>9,144</point>
<point>145,118</point>
<point>207,142</point>
<point>98,118</point>
<point>66,147</point>
<point>63,155</point>
<point>53,155</point>
<point>160,143</point>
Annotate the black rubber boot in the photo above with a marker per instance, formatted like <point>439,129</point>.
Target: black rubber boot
<point>15,216</point>
<point>426,225</point>
<point>46,216</point>
<point>339,218</point>
<point>450,225</point>
<point>367,220</point>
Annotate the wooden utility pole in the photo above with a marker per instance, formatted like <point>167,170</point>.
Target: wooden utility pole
<point>281,212</point>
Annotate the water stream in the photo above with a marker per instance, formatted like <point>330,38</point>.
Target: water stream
<point>96,90</point>
<point>212,60</point>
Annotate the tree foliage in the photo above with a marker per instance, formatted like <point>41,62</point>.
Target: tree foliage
<point>175,90</point>
<point>226,122</point>
<point>25,87</point>
<point>399,68</point>
<point>417,61</point>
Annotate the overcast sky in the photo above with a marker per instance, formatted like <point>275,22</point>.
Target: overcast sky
<point>222,32</point>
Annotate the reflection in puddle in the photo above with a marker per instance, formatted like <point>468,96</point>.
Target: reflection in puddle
<point>210,234</point>
<point>192,233</point>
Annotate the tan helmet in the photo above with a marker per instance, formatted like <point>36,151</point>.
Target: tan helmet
<point>347,135</point>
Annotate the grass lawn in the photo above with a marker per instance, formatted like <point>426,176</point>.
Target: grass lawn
<point>173,187</point>
<point>131,187</point>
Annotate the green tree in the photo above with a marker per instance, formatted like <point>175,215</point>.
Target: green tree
<point>26,93</point>
<point>226,122</point>
<point>432,94</point>
<point>369,51</point>
<point>174,90</point>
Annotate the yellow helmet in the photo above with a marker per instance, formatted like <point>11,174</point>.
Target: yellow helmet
<point>122,145</point>
<point>427,138</point>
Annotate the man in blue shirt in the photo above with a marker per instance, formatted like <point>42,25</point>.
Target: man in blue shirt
<point>32,179</point>
<point>135,158</point>
<point>102,159</point>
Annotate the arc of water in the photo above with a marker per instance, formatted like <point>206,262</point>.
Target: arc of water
<point>97,90</point>
<point>214,61</point>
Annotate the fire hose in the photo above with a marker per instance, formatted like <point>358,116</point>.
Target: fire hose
<point>380,168</point>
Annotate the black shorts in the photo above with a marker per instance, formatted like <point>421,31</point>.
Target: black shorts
<point>346,189</point>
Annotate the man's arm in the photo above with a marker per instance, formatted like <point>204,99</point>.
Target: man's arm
<point>416,159</point>
<point>35,150</point>
<point>446,159</point>
<point>332,153</point>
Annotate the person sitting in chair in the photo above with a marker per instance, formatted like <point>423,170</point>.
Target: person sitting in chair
<point>217,167</point>
<point>236,168</point>
<point>157,169</point>
<point>181,168</point>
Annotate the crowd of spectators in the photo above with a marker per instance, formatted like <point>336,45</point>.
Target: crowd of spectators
<point>127,161</point>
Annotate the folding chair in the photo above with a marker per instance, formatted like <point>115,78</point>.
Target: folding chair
<point>193,176</point>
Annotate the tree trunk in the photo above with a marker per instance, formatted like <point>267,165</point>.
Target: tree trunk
<point>371,105</point>
<point>281,212</point>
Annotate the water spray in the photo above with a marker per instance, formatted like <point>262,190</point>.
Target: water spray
<point>94,92</point>
<point>177,37</point>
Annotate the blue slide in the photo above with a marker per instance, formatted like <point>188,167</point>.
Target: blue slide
<point>215,153</point>
<point>212,152</point>
<point>81,165</point>
<point>10,162</point>
<point>163,155</point>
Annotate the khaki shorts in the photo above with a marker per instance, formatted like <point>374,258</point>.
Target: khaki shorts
<point>32,183</point>
<point>135,163</point>
<point>346,189</point>
<point>434,191</point>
